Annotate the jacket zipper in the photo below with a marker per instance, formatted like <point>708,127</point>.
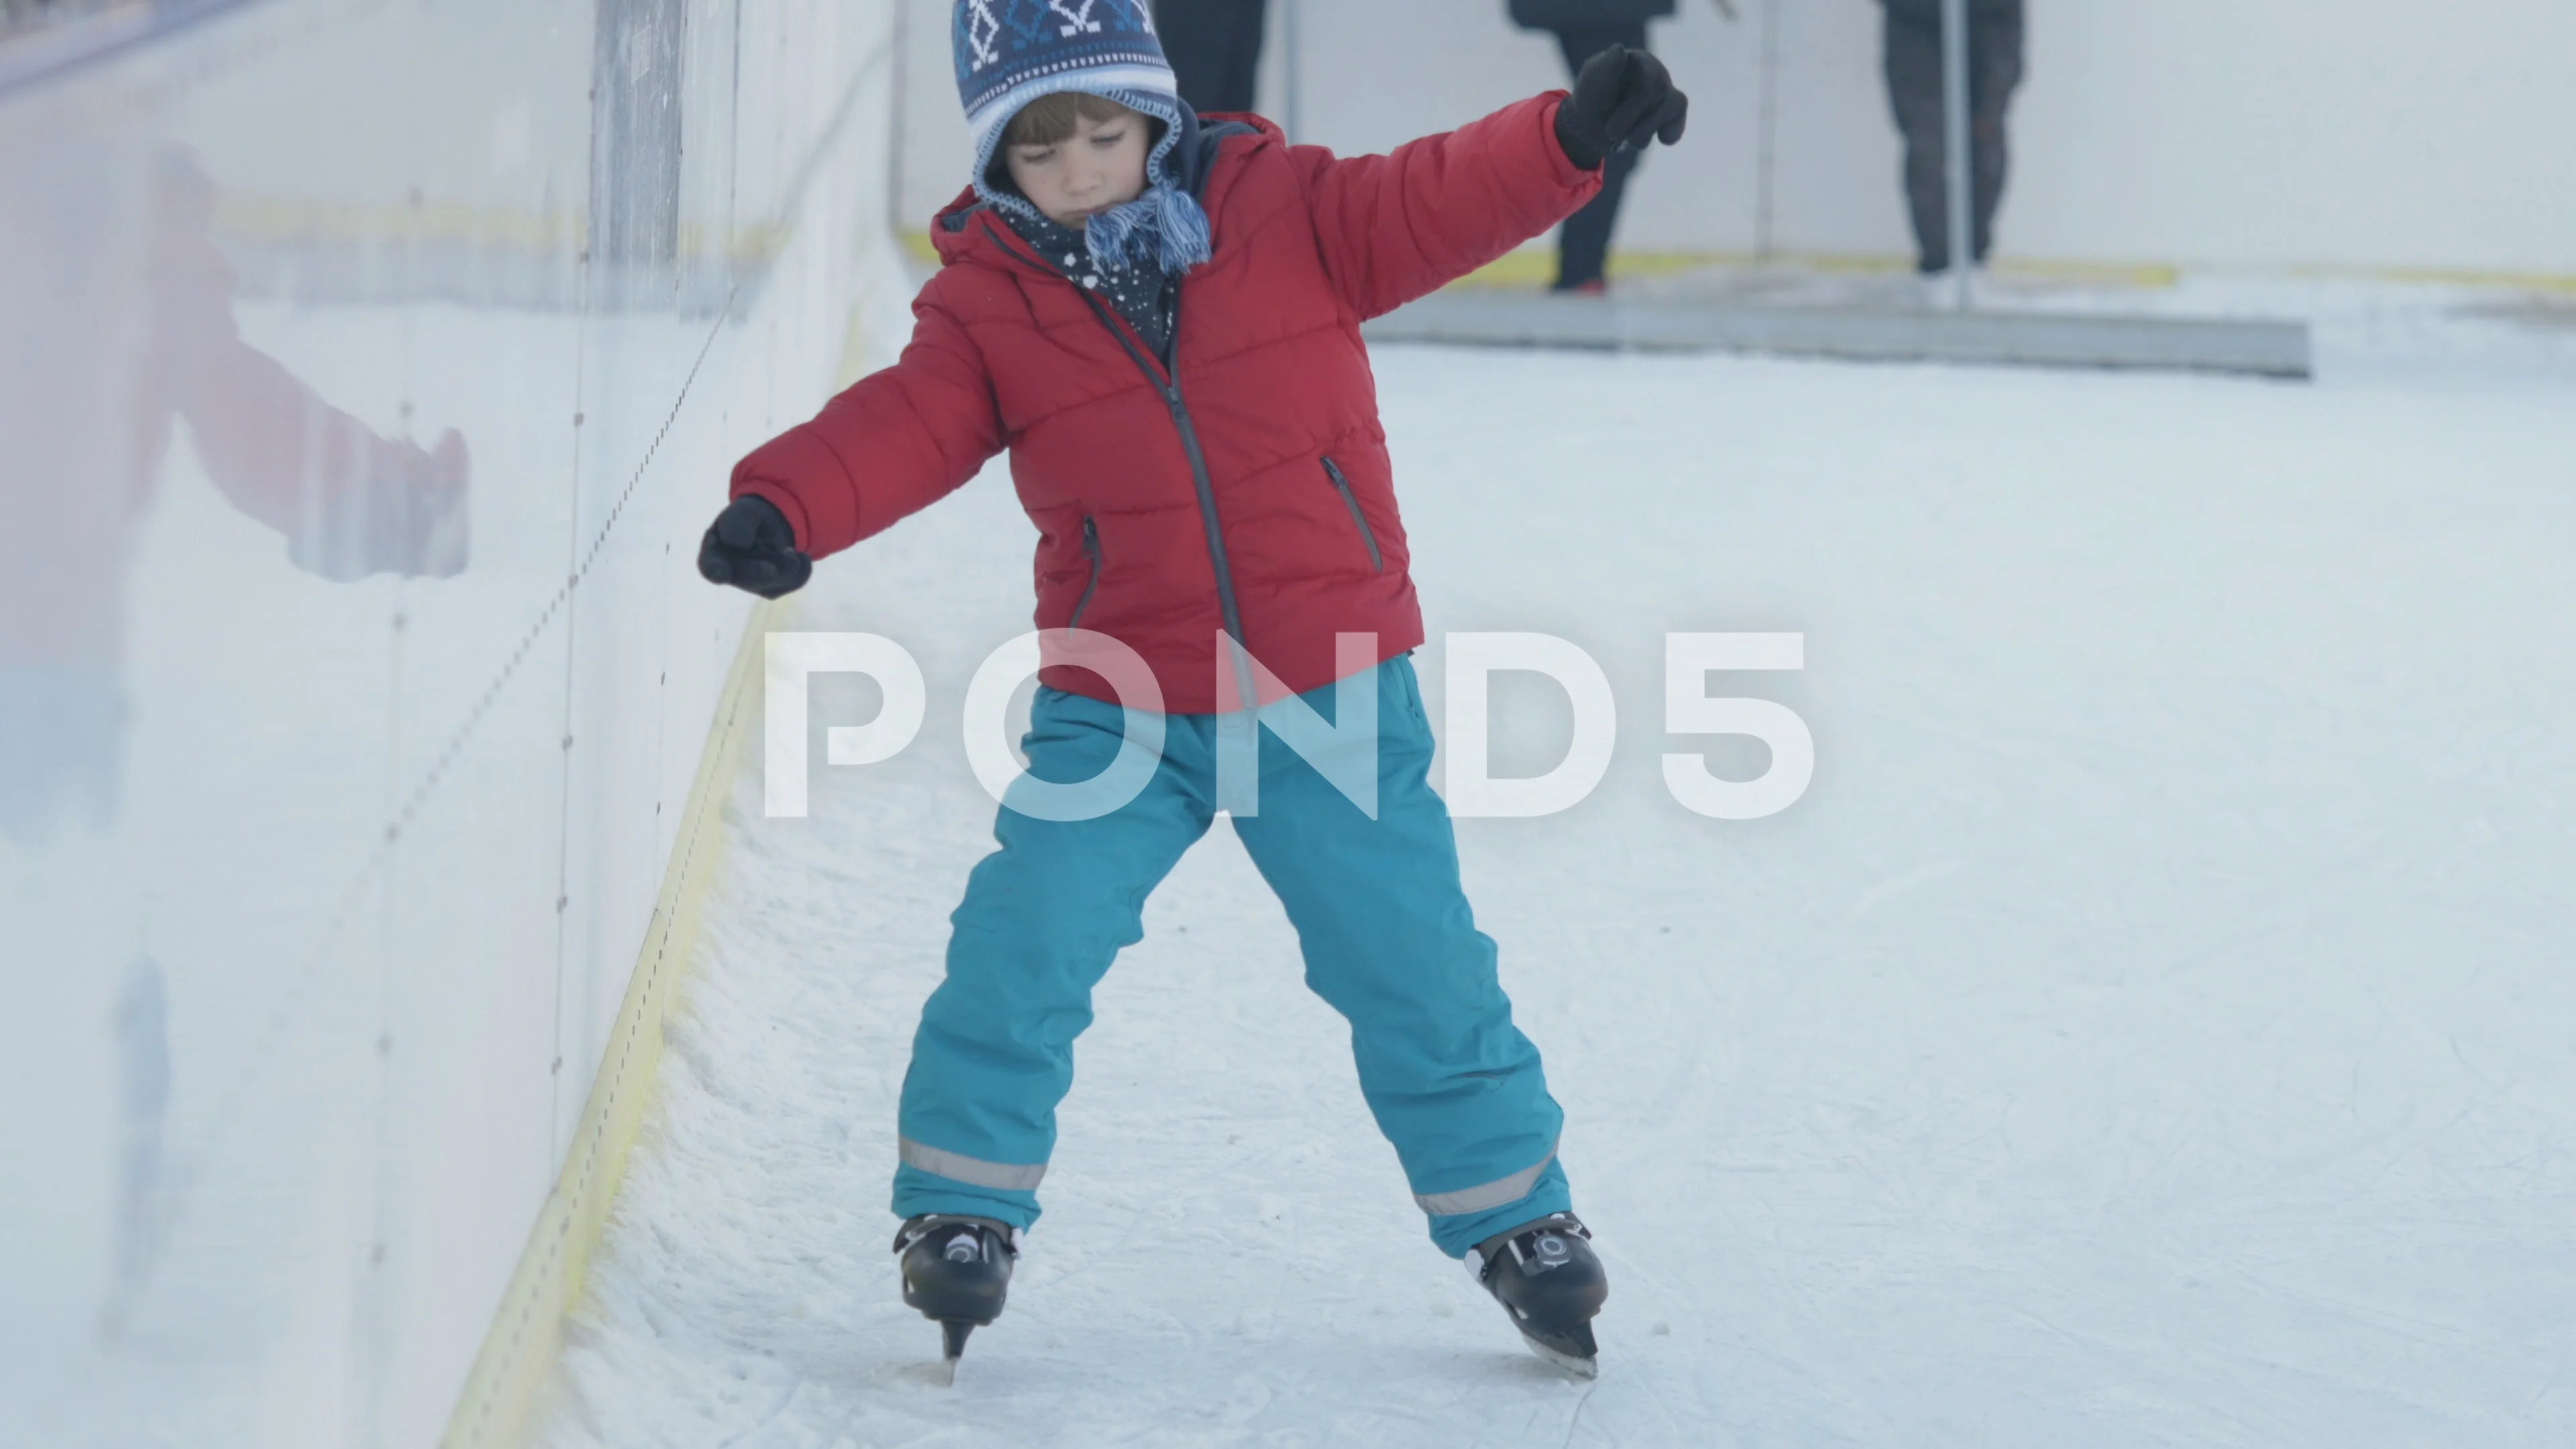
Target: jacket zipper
<point>1091,551</point>
<point>1342,485</point>
<point>1169,386</point>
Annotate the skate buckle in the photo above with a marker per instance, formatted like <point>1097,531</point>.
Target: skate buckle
<point>1547,1245</point>
<point>1547,1252</point>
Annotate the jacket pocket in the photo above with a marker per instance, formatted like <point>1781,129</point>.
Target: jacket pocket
<point>1091,551</point>
<point>1342,485</point>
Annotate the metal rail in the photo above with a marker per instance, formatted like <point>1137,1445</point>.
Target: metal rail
<point>2033,339</point>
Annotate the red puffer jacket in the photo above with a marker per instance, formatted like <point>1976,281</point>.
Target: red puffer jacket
<point>1247,491</point>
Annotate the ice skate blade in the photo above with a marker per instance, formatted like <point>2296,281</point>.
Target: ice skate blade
<point>1579,1365</point>
<point>952,1346</point>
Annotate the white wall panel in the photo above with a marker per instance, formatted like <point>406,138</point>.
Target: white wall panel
<point>353,662</point>
<point>2275,132</point>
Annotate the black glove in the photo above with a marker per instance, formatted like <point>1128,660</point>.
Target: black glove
<point>1623,98</point>
<point>751,547</point>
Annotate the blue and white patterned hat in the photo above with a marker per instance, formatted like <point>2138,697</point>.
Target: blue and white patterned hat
<point>1010,52</point>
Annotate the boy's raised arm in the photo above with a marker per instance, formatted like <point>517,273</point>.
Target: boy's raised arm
<point>1397,226</point>
<point>890,444</point>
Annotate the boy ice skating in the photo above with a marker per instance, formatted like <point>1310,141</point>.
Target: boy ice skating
<point>1158,315</point>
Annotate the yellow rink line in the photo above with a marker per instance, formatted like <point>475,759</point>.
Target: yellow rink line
<point>275,219</point>
<point>525,1340</point>
<point>299,221</point>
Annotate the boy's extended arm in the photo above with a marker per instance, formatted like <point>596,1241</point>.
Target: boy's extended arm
<point>892,443</point>
<point>1395,227</point>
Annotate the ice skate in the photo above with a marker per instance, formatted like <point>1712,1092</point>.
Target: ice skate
<point>956,1270</point>
<point>1546,1276</point>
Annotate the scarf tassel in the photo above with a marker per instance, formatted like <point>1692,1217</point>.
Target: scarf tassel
<point>1165,219</point>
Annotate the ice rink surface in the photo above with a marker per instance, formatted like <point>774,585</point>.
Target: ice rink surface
<point>2153,1027</point>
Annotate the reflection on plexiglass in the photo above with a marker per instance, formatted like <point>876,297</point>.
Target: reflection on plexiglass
<point>363,365</point>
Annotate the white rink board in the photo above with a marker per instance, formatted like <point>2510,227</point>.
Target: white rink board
<point>327,846</point>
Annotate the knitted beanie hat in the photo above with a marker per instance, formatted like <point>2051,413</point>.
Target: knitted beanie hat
<point>1010,52</point>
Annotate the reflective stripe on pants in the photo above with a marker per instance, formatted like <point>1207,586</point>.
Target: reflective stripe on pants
<point>1486,1196</point>
<point>974,1171</point>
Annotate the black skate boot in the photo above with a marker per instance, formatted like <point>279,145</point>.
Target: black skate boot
<point>956,1270</point>
<point>1545,1275</point>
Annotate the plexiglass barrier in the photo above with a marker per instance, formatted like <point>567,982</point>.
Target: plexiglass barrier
<point>368,369</point>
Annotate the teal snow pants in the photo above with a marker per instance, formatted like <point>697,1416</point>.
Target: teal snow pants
<point>1388,939</point>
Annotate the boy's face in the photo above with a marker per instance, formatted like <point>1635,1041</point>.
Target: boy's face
<point>1100,165</point>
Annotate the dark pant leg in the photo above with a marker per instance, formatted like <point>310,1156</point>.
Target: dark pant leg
<point>1583,245</point>
<point>1995,69</point>
<point>1913,68</point>
<point>1215,49</point>
<point>1914,86</point>
<point>1243,57</point>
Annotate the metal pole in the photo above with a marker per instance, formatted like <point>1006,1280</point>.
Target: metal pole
<point>901,40</point>
<point>1956,161</point>
<point>1767,133</point>
<point>1295,127</point>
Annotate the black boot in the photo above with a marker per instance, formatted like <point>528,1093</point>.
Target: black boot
<point>956,1270</point>
<point>1545,1275</point>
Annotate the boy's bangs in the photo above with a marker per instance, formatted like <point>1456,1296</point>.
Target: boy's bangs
<point>1051,118</point>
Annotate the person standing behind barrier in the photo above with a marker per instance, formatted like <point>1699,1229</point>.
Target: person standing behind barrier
<point>1215,50</point>
<point>1584,29</point>
<point>1913,66</point>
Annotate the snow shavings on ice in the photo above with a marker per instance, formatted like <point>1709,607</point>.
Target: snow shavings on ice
<point>2152,1028</point>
